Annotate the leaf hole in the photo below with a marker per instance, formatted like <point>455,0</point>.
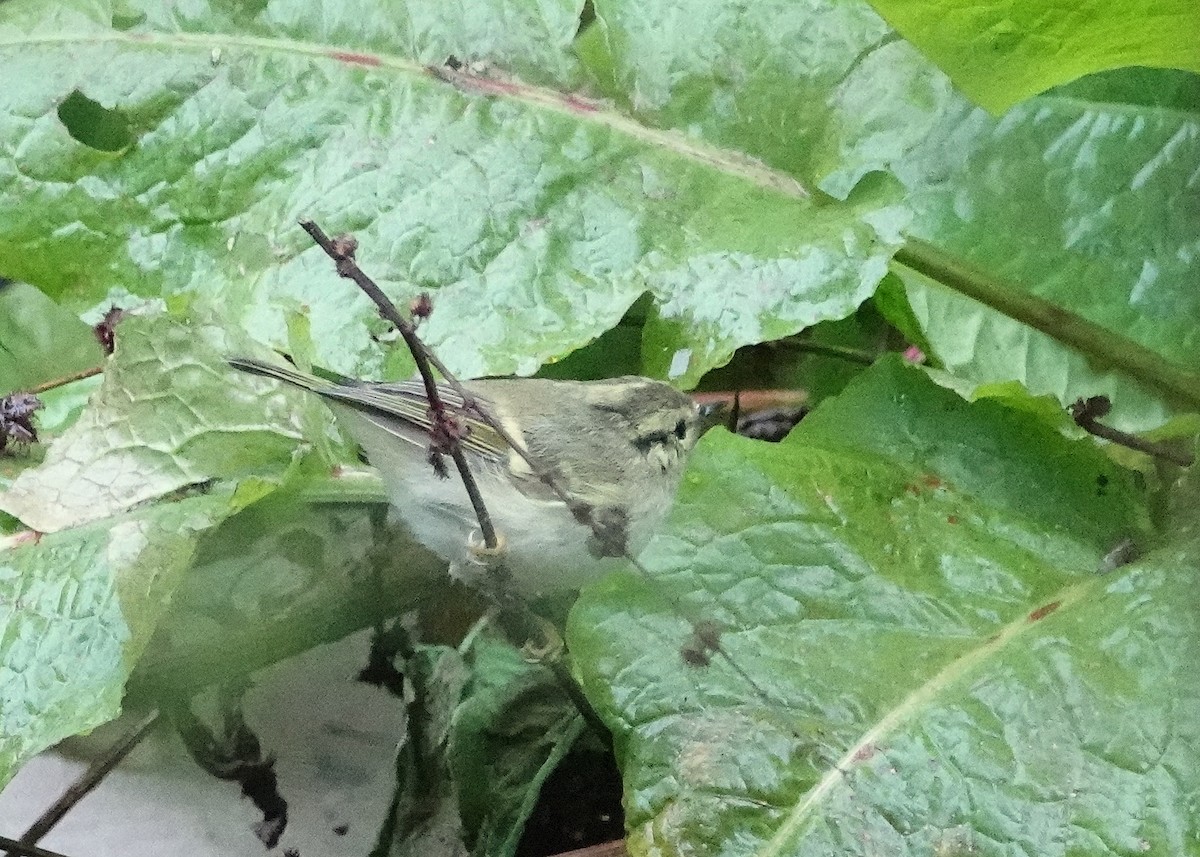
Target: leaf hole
<point>94,125</point>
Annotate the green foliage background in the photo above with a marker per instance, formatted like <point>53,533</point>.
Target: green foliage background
<point>916,579</point>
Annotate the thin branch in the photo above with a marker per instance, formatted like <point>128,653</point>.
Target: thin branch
<point>425,357</point>
<point>68,379</point>
<point>91,778</point>
<point>17,849</point>
<point>1087,413</point>
<point>341,251</point>
<point>1101,345</point>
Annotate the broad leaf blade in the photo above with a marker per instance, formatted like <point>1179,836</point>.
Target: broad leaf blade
<point>1080,176</point>
<point>534,217</point>
<point>76,610</point>
<point>938,668</point>
<point>1058,196</point>
<point>1002,53</point>
<point>39,340</point>
<point>283,575</point>
<point>170,415</point>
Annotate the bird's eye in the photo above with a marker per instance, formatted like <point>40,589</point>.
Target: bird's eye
<point>681,429</point>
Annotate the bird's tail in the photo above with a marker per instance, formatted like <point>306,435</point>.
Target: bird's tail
<point>281,373</point>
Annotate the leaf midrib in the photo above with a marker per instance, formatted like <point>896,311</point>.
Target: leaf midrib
<point>907,710</point>
<point>730,162</point>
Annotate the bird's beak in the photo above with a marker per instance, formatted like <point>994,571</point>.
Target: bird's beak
<point>712,414</point>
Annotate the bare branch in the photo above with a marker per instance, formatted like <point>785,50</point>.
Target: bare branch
<point>445,438</point>
<point>17,849</point>
<point>91,778</point>
<point>1087,413</point>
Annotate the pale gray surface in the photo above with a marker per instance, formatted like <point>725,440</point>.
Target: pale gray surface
<point>334,740</point>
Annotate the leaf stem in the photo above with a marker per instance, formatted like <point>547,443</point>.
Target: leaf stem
<point>1103,346</point>
<point>62,382</point>
<point>91,778</point>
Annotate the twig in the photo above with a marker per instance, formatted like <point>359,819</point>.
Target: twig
<point>1087,413</point>
<point>514,617</point>
<point>341,251</point>
<point>1100,345</point>
<point>68,379</point>
<point>706,638</point>
<point>13,847</point>
<point>91,778</point>
<point>425,358</point>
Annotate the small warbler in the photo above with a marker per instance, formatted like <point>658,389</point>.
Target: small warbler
<point>617,447</point>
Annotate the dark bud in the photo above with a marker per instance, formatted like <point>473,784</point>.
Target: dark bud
<point>693,655</point>
<point>421,306</point>
<point>708,634</point>
<point>16,419</point>
<point>705,639</point>
<point>1086,411</point>
<point>106,330</point>
<point>438,462</point>
<point>610,531</point>
<point>344,246</point>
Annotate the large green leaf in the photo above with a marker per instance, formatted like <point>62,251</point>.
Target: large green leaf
<point>170,415</point>
<point>915,585</point>
<point>1082,177</point>
<point>39,340</point>
<point>1001,53</point>
<point>76,610</point>
<point>281,576</point>
<point>535,217</point>
<point>1082,196</point>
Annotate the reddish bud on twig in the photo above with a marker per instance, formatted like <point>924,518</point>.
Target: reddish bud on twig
<point>106,330</point>
<point>421,306</point>
<point>344,246</point>
<point>1083,411</point>
<point>438,463</point>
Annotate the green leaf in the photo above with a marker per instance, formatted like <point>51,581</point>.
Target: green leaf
<point>39,340</point>
<point>989,348</point>
<point>510,732</point>
<point>535,218</point>
<point>170,415</point>
<point>763,78</point>
<point>486,728</point>
<point>279,577</point>
<point>1002,53</point>
<point>986,449</point>
<point>941,666</point>
<point>76,610</point>
<point>1052,199</point>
